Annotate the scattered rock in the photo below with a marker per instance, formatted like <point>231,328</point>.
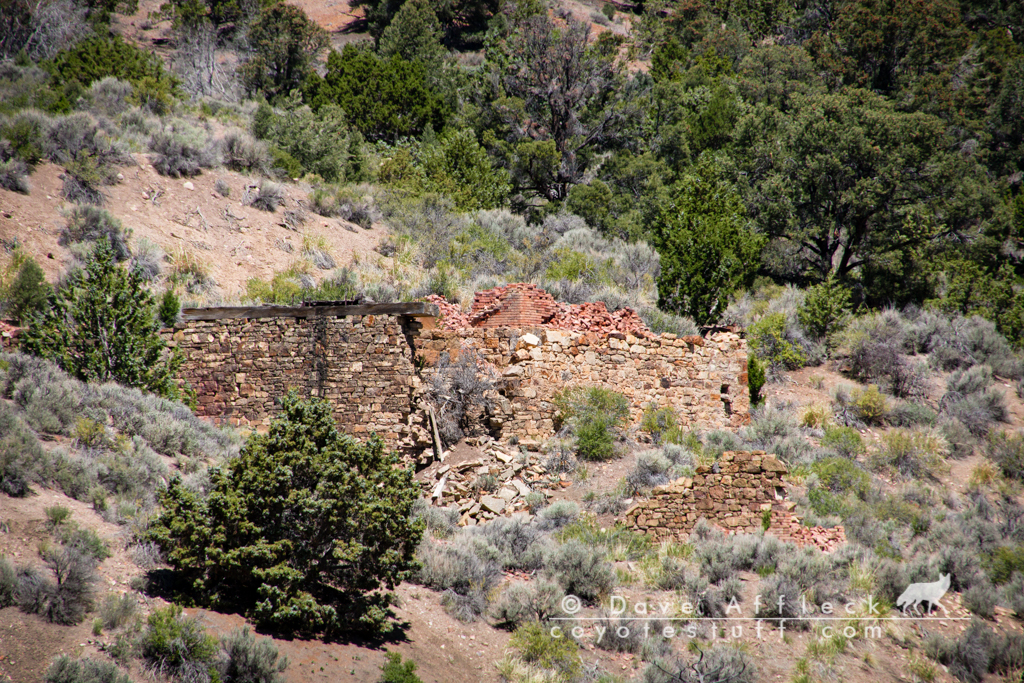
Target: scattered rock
<point>492,504</point>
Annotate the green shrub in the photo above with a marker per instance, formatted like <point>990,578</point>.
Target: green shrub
<point>657,421</point>
<point>250,660</point>
<point>578,401</point>
<point>90,224</point>
<point>870,405</point>
<point>385,99</point>
<point>29,291</point>
<point>176,645</point>
<point>56,516</point>
<point>65,669</point>
<point>594,413</point>
<point>284,45</point>
<point>845,441</point>
<point>840,475</point>
<point>755,379</point>
<point>26,133</point>
<point>460,168</point>
<point>103,299</point>
<point>825,310</point>
<point>594,439</point>
<point>1007,450</point>
<point>170,308</point>
<point>767,338</point>
<point>96,58</point>
<point>535,645</point>
<point>315,142</point>
<point>85,541</point>
<point>394,670</point>
<point>303,479</point>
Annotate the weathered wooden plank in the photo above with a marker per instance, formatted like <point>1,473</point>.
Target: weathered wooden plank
<point>421,308</point>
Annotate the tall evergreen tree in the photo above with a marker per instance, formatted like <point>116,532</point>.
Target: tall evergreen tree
<point>707,252</point>
<point>414,34</point>
<point>100,326</point>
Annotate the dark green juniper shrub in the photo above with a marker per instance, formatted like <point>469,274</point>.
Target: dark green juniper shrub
<point>29,291</point>
<point>395,670</point>
<point>330,527</point>
<point>105,301</point>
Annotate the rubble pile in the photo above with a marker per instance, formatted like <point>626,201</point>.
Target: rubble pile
<point>451,316</point>
<point>9,336</point>
<point>525,306</point>
<point>595,317</point>
<point>492,482</point>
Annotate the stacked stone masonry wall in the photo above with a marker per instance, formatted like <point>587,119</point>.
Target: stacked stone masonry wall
<point>703,379</point>
<point>373,368</point>
<point>240,367</point>
<point>734,495</point>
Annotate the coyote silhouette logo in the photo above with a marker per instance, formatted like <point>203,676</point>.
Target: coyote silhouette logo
<point>931,593</point>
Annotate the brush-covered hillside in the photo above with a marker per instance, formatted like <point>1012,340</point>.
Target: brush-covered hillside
<point>842,181</point>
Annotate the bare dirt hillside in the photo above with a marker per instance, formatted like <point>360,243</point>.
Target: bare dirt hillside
<point>188,219</point>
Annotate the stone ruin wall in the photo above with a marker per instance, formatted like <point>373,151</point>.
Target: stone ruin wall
<point>734,498</point>
<point>373,369</point>
<point>703,379</point>
<point>240,367</point>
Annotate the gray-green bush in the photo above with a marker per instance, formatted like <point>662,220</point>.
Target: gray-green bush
<point>91,224</point>
<point>247,660</point>
<point>66,669</point>
<point>581,570</point>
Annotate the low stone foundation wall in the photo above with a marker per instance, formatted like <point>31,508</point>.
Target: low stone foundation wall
<point>734,494</point>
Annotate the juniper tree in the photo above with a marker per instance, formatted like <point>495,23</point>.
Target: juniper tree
<point>306,531</point>
<point>100,326</point>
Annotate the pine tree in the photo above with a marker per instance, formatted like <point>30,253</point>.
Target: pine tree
<point>100,326</point>
<point>414,34</point>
